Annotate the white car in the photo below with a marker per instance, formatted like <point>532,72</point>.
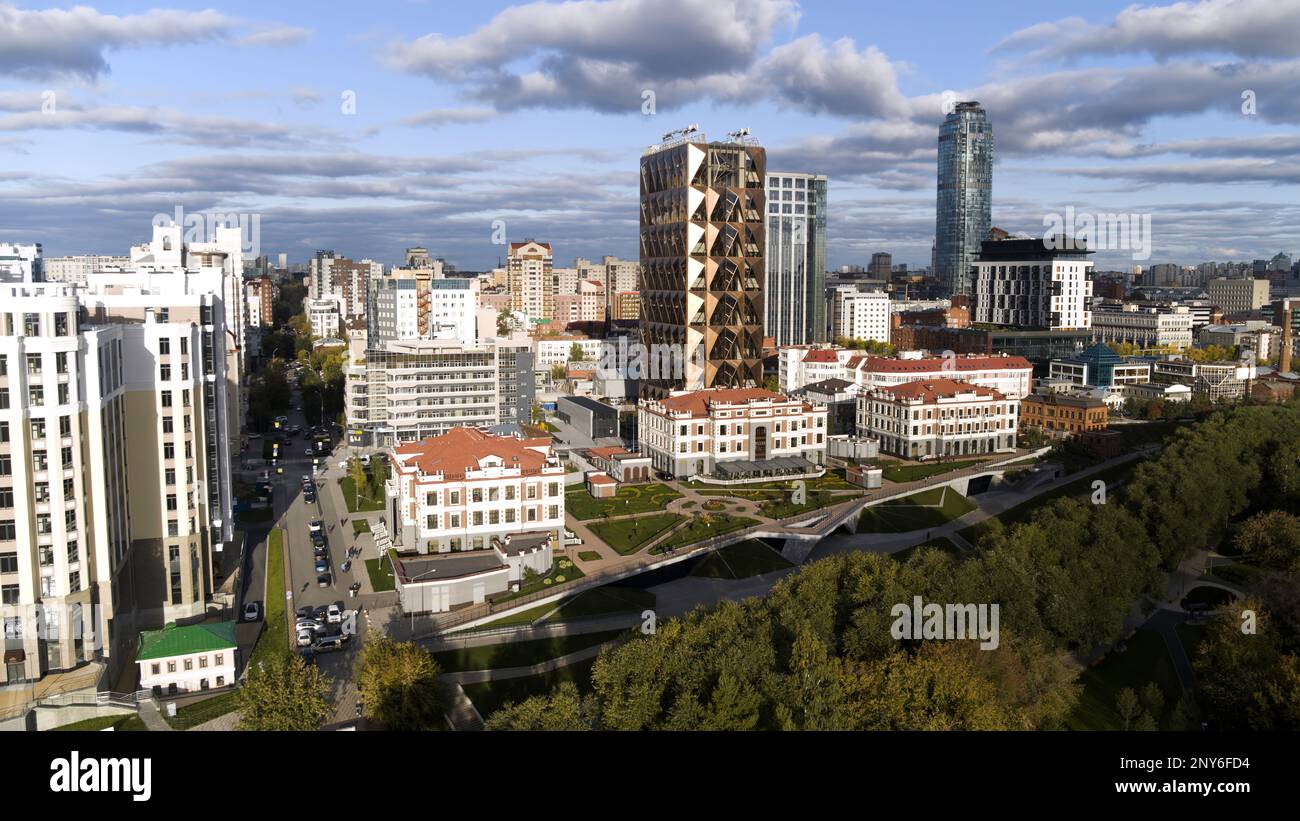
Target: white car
<point>314,526</point>
<point>334,614</point>
<point>250,611</point>
<point>305,638</point>
<point>309,624</point>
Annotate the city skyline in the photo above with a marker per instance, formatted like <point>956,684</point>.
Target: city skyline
<point>467,116</point>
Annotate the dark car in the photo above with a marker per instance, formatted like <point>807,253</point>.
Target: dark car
<point>324,580</point>
<point>328,644</point>
<point>318,539</point>
<point>305,612</point>
<point>322,564</point>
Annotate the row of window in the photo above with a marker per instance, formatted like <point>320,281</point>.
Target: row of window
<point>218,659</point>
<point>490,494</point>
<point>492,517</point>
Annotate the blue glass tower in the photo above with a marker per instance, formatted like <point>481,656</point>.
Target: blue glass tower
<point>964,203</point>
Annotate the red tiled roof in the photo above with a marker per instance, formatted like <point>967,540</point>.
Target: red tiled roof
<point>697,402</point>
<point>886,364</point>
<point>821,355</point>
<point>929,390</point>
<point>606,453</point>
<point>601,479</point>
<point>462,449</point>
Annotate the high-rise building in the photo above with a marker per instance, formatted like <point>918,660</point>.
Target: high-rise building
<point>1034,284</point>
<point>530,280</point>
<point>406,305</point>
<point>1238,296</point>
<point>76,268</point>
<point>795,259</point>
<point>963,207</point>
<point>882,265</point>
<point>702,239</point>
<point>859,314</point>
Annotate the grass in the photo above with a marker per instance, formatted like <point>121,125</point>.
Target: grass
<point>741,560</point>
<point>490,696</point>
<point>128,722</point>
<point>1145,660</point>
<point>564,570</point>
<point>199,712</point>
<point>1190,636</point>
<point>929,508</point>
<point>627,536</point>
<point>589,555</point>
<point>381,578</point>
<point>518,653</point>
<point>1242,575</point>
<point>350,497</point>
<point>900,472</point>
<point>360,526</point>
<point>1079,488</point>
<point>629,499</point>
<point>275,631</point>
<point>602,601</point>
<point>697,530</point>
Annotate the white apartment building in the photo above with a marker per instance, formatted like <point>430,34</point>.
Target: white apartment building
<point>550,351</point>
<point>1146,327</point>
<point>530,280</point>
<point>324,315</point>
<point>859,314</point>
<point>1238,296</point>
<point>21,263</point>
<point>939,417</point>
<point>408,390</point>
<point>1024,284</point>
<point>75,269</point>
<point>465,488</point>
<point>804,365</point>
<point>253,303</point>
<point>115,487</point>
<point>761,433</point>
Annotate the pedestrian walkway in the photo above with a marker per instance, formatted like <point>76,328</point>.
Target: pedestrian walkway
<point>152,718</point>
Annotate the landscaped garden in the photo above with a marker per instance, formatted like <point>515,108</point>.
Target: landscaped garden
<point>627,536</point>
<point>701,528</point>
<point>741,560</point>
<point>200,712</point>
<point>629,499</point>
<point>380,573</point>
<point>360,526</point>
<point>589,555</point>
<point>928,508</point>
<point>895,471</point>
<point>358,502</point>
<point>490,696</point>
<point>1145,660</point>
<point>563,570</point>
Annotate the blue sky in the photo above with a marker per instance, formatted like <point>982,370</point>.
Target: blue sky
<point>468,113</point>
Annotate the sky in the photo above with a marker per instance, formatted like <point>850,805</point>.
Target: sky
<point>366,128</point>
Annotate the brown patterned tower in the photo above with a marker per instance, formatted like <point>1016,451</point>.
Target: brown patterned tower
<point>702,241</point>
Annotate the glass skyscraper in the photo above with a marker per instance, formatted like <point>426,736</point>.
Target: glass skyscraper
<point>794,287</point>
<point>962,212</point>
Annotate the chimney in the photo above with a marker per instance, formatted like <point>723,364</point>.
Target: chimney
<point>1284,358</point>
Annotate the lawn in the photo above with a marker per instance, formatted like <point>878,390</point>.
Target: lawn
<point>518,653</point>
<point>563,570</point>
<point>381,576</point>
<point>360,526</point>
<point>903,472</point>
<point>629,499</point>
<point>199,712</point>
<point>601,601</point>
<point>122,723</point>
<point>698,530</point>
<point>741,560</point>
<point>1242,575</point>
<point>275,631</point>
<point>1146,659</point>
<point>589,555</point>
<point>490,696</point>
<point>929,508</point>
<point>627,536</point>
<point>350,497</point>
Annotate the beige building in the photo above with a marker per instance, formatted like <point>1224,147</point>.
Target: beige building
<point>1238,296</point>
<point>939,417</point>
<point>530,279</point>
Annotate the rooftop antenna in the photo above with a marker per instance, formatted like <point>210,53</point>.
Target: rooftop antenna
<point>739,135</point>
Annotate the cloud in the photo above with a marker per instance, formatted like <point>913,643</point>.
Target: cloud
<point>41,44</point>
<point>1249,29</point>
<point>277,36</point>
<point>177,127</point>
<point>438,117</point>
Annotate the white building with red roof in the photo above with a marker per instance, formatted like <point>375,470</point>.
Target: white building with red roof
<point>939,417</point>
<point>461,490</point>
<point>732,433</point>
<point>803,365</point>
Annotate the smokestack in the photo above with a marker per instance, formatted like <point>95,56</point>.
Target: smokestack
<point>1284,358</point>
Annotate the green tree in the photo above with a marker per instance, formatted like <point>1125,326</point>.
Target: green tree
<point>360,480</point>
<point>1126,704</point>
<point>284,693</point>
<point>1274,537</point>
<point>576,353</point>
<point>773,384</point>
<point>503,322</point>
<point>399,684</point>
<point>563,709</point>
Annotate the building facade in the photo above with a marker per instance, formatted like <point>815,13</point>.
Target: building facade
<point>1028,283</point>
<point>963,212</point>
<point>795,258</point>
<point>1063,415</point>
<point>857,314</point>
<point>530,280</point>
<point>939,418</point>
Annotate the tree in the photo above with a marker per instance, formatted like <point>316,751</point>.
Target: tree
<point>378,476</point>
<point>1126,704</point>
<point>399,684</point>
<point>576,353</point>
<point>1273,536</point>
<point>284,693</point>
<point>357,473</point>
<point>563,709</point>
<point>773,384</point>
<point>558,372</point>
<point>503,322</point>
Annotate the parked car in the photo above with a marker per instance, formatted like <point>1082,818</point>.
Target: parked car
<point>308,624</point>
<point>327,644</point>
<point>322,565</point>
<point>305,638</point>
<point>334,614</point>
<point>315,525</point>
<point>318,538</point>
<point>324,580</point>
<point>305,612</point>
<point>251,611</point>
<point>309,497</point>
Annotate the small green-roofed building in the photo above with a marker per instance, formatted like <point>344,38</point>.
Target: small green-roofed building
<point>188,658</point>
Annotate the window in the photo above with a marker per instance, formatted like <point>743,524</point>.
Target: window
<point>203,662</point>
<point>156,668</point>
<point>167,399</point>
<point>4,431</point>
<point>170,476</point>
<point>9,594</point>
<point>8,562</point>
<point>38,429</point>
<point>6,466</point>
<point>33,364</point>
<point>167,424</point>
<point>220,659</point>
<point>42,492</point>
<point>65,426</point>
<point>65,457</point>
<point>164,346</point>
<point>165,372</point>
<point>35,395</point>
<point>61,326</point>
<point>67,488</point>
<point>189,664</point>
<point>72,552</point>
<point>74,581</point>
<point>171,666</point>
<point>61,362</point>
<point>40,460</point>
<point>6,497</point>
<point>185,345</point>
<point>171,501</point>
<point>169,450</point>
<point>31,324</point>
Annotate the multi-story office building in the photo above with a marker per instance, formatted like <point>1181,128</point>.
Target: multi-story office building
<point>702,240</point>
<point>348,280</point>
<point>1100,367</point>
<point>325,317</point>
<point>1217,380</point>
<point>114,468</point>
<point>1062,415</point>
<point>733,433</point>
<point>407,390</point>
<point>530,280</point>
<point>795,258</point>
<point>1238,296</point>
<point>75,269</point>
<point>857,314</point>
<point>465,488</point>
<point>965,194</point>
<point>1034,283</point>
<point>882,266</point>
<point>939,417</point>
<point>1141,325</point>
